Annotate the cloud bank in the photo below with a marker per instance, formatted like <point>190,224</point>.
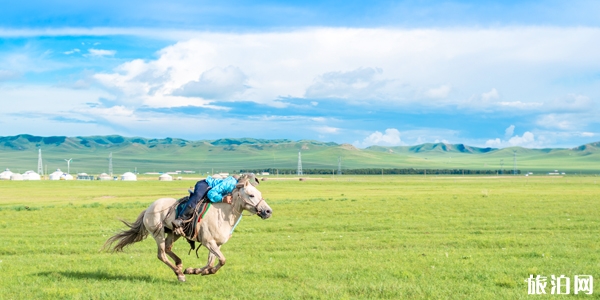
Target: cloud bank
<point>346,82</point>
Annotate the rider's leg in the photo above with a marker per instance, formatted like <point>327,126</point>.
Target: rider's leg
<point>199,191</point>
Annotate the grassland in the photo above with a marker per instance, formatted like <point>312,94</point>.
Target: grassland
<point>344,237</point>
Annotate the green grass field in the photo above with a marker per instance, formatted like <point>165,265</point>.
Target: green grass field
<point>344,237</point>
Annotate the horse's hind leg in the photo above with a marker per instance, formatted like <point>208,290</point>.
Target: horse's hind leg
<point>162,256</point>
<point>172,238</point>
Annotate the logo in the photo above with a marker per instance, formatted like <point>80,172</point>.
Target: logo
<point>560,285</point>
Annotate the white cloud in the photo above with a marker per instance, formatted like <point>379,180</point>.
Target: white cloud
<point>391,137</point>
<point>588,134</point>
<point>101,52</point>
<point>509,131</point>
<point>59,110</point>
<point>558,121</point>
<point>26,60</point>
<point>520,105</point>
<point>511,140</point>
<point>495,143</point>
<point>216,83</point>
<point>327,130</point>
<point>362,83</point>
<point>49,110</point>
<point>72,51</point>
<point>526,140</point>
<point>572,103</point>
<point>8,75</point>
<point>390,65</point>
<point>115,111</point>
<point>33,99</point>
<point>491,95</point>
<point>81,84</point>
<point>459,69</point>
<point>439,92</point>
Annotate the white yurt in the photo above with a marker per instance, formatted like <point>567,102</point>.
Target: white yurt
<point>16,176</point>
<point>104,176</point>
<point>5,175</point>
<point>31,175</point>
<point>60,175</point>
<point>66,176</point>
<point>165,177</point>
<point>56,175</point>
<point>128,176</point>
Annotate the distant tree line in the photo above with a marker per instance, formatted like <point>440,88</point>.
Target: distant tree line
<point>379,171</point>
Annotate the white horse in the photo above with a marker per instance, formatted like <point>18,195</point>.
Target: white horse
<point>215,228</point>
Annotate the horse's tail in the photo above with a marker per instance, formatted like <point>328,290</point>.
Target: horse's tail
<point>136,233</point>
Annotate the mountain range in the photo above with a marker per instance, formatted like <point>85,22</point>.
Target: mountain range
<point>90,154</point>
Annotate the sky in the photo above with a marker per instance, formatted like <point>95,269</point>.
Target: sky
<point>391,73</point>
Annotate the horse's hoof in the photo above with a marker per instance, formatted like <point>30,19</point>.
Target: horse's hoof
<point>181,278</point>
<point>209,271</point>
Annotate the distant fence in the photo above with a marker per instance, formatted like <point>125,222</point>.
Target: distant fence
<point>380,171</point>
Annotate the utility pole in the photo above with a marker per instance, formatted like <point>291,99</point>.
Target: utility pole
<point>339,165</point>
<point>514,162</point>
<point>501,166</point>
<point>299,171</point>
<point>40,165</point>
<point>110,168</point>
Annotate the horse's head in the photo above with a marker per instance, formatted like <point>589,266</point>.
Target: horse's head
<point>250,199</point>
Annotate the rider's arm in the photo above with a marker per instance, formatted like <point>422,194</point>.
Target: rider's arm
<point>224,187</point>
<point>214,195</point>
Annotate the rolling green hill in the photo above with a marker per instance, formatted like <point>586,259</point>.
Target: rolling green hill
<point>90,155</point>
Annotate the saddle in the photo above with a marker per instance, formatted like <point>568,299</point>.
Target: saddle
<point>191,226</point>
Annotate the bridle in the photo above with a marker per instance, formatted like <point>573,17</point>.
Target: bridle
<point>237,193</point>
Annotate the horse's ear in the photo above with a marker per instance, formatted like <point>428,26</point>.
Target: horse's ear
<point>239,185</point>
<point>246,183</point>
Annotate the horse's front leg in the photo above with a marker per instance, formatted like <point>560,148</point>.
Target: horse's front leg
<point>209,264</point>
<point>214,249</point>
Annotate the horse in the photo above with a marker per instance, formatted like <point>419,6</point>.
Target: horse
<point>215,228</point>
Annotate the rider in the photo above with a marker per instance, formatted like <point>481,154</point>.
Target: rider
<point>215,189</point>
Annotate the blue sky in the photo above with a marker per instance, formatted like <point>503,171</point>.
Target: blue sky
<point>483,73</point>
